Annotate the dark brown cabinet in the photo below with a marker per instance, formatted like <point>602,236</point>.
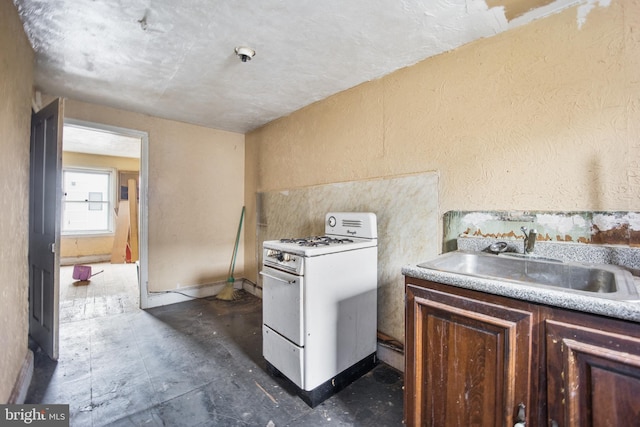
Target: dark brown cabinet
<point>468,361</point>
<point>483,360</point>
<point>593,376</point>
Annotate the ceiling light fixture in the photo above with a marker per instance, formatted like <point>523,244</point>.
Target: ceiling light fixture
<point>245,53</point>
<point>143,24</point>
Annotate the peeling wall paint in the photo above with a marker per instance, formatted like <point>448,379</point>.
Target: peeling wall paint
<point>617,228</point>
<point>634,221</point>
<point>516,8</point>
<point>586,7</point>
<point>563,224</point>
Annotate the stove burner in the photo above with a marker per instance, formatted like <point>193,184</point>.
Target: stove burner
<point>316,241</point>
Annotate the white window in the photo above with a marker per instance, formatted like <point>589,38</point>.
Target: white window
<point>88,201</point>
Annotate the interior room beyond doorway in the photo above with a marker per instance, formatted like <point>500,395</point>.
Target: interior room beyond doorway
<point>93,149</point>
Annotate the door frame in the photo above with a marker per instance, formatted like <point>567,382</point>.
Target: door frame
<point>143,231</point>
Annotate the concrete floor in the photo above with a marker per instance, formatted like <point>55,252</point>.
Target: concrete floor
<point>197,363</point>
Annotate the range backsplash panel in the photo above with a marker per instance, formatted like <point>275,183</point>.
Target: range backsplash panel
<point>406,208</point>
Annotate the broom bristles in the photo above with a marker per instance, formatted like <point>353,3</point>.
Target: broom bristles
<point>228,293</point>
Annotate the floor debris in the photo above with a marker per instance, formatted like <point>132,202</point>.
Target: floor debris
<point>267,393</point>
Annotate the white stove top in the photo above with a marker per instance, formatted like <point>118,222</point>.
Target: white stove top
<point>345,231</point>
<point>320,245</point>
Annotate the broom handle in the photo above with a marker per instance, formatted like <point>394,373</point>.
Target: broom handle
<point>235,249</point>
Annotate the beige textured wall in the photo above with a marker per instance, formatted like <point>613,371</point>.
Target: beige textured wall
<point>545,117</point>
<point>16,80</point>
<point>78,246</point>
<point>85,246</point>
<point>71,159</point>
<point>196,185</point>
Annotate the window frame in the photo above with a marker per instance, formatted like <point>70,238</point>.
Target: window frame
<point>112,173</point>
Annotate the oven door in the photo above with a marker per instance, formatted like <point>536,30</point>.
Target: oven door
<point>282,298</point>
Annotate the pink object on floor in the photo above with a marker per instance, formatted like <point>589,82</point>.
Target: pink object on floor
<point>81,272</point>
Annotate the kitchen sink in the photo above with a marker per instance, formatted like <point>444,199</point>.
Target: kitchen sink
<point>529,256</point>
<point>606,281</point>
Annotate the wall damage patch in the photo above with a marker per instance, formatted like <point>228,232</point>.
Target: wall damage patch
<point>613,228</point>
<point>586,7</point>
<point>516,8</point>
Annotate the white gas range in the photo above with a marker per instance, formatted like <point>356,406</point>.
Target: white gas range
<point>320,303</point>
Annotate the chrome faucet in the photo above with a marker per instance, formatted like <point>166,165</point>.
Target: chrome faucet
<point>529,239</point>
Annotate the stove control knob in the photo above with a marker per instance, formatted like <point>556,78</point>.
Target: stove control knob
<point>280,256</point>
<point>286,257</point>
<point>332,221</point>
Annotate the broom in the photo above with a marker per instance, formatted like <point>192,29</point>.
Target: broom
<point>229,293</point>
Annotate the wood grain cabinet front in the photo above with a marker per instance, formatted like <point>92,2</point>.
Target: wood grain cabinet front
<point>593,376</point>
<point>467,361</point>
<point>476,359</point>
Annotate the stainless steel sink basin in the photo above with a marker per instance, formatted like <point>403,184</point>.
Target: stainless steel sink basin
<point>533,257</point>
<point>604,281</point>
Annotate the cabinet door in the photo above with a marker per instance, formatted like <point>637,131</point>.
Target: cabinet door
<point>593,377</point>
<point>468,362</point>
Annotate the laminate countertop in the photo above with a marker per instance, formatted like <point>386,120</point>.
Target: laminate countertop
<point>625,310</point>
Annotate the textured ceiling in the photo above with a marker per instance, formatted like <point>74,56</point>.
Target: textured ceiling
<point>176,59</point>
<point>79,139</point>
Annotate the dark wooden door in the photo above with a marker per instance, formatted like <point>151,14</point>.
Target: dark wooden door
<point>44,226</point>
<point>593,376</point>
<point>468,362</point>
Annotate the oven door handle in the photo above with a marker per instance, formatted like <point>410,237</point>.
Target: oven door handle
<point>288,282</point>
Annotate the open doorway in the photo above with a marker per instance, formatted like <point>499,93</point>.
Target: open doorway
<point>100,166</point>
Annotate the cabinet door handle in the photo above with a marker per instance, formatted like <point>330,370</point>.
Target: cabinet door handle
<point>521,417</point>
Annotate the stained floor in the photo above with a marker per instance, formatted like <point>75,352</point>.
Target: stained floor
<point>113,289</point>
<point>197,363</point>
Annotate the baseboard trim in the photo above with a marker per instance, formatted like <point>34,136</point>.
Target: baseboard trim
<point>174,296</point>
<point>390,356</point>
<point>89,259</point>
<point>20,388</point>
<point>252,288</point>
